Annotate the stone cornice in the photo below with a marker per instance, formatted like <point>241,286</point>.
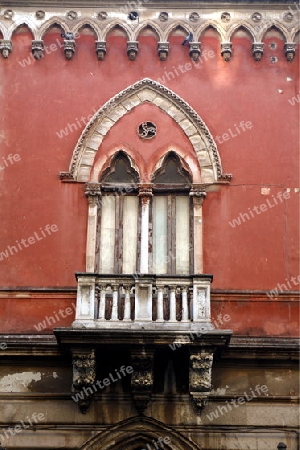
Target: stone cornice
<point>169,5</point>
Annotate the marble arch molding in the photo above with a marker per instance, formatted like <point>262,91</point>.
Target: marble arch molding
<point>143,91</point>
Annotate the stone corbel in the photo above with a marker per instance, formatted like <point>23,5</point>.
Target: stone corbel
<point>37,49</point>
<point>163,50</point>
<point>195,50</point>
<point>69,48</point>
<point>290,51</point>
<point>257,50</point>
<point>225,177</point>
<point>200,377</point>
<point>226,50</point>
<point>132,49</point>
<point>5,47</point>
<point>84,377</point>
<point>142,378</point>
<point>101,50</point>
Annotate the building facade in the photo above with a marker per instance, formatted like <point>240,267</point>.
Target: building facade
<point>150,236</point>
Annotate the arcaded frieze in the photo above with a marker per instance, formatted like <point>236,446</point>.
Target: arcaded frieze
<point>133,16</point>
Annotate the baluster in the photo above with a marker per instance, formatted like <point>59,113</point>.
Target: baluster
<point>114,312</point>
<point>101,310</point>
<point>160,304</point>
<point>127,306</point>
<point>172,304</point>
<point>185,312</point>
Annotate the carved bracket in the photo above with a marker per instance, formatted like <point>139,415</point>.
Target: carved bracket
<point>101,50</point>
<point>257,50</point>
<point>69,48</point>
<point>195,50</point>
<point>142,379</point>
<point>225,177</point>
<point>226,50</point>
<point>200,377</point>
<point>290,51</point>
<point>37,48</point>
<point>84,377</point>
<point>5,47</point>
<point>132,49</point>
<point>163,50</point>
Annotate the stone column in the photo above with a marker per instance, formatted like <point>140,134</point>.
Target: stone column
<point>145,194</point>
<point>198,194</point>
<point>93,194</point>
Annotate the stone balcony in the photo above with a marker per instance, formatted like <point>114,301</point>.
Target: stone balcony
<point>143,302</point>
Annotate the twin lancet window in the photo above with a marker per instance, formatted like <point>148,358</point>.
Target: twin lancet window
<point>145,230</point>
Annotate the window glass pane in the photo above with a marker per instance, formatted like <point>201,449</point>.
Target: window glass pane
<point>107,237</point>
<point>160,235</point>
<point>130,219</point>
<point>182,235</point>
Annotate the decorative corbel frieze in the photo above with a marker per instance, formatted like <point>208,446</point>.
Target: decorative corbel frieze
<point>101,50</point>
<point>5,47</point>
<point>37,49</point>
<point>163,50</point>
<point>84,377</point>
<point>290,51</point>
<point>226,50</point>
<point>132,49</point>
<point>142,378</point>
<point>69,48</point>
<point>257,50</point>
<point>195,50</point>
<point>200,377</point>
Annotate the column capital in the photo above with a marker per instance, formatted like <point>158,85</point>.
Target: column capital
<point>92,192</point>
<point>198,193</point>
<point>145,190</point>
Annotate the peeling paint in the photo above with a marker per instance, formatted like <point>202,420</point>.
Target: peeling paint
<point>19,382</point>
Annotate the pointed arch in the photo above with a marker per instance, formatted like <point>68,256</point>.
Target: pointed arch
<point>153,26</point>
<point>50,23</point>
<point>211,24</point>
<point>138,431</point>
<point>86,22</point>
<point>118,24</point>
<point>177,24</point>
<point>235,27</point>
<point>110,167</point>
<point>22,22</point>
<point>278,26</point>
<point>146,90</point>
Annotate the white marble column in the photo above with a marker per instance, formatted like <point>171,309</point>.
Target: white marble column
<point>127,306</point>
<point>115,299</point>
<point>185,313</point>
<point>93,193</point>
<point>160,304</point>
<point>198,194</point>
<point>145,194</point>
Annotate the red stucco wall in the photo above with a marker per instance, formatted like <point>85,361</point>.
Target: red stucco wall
<point>41,99</point>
